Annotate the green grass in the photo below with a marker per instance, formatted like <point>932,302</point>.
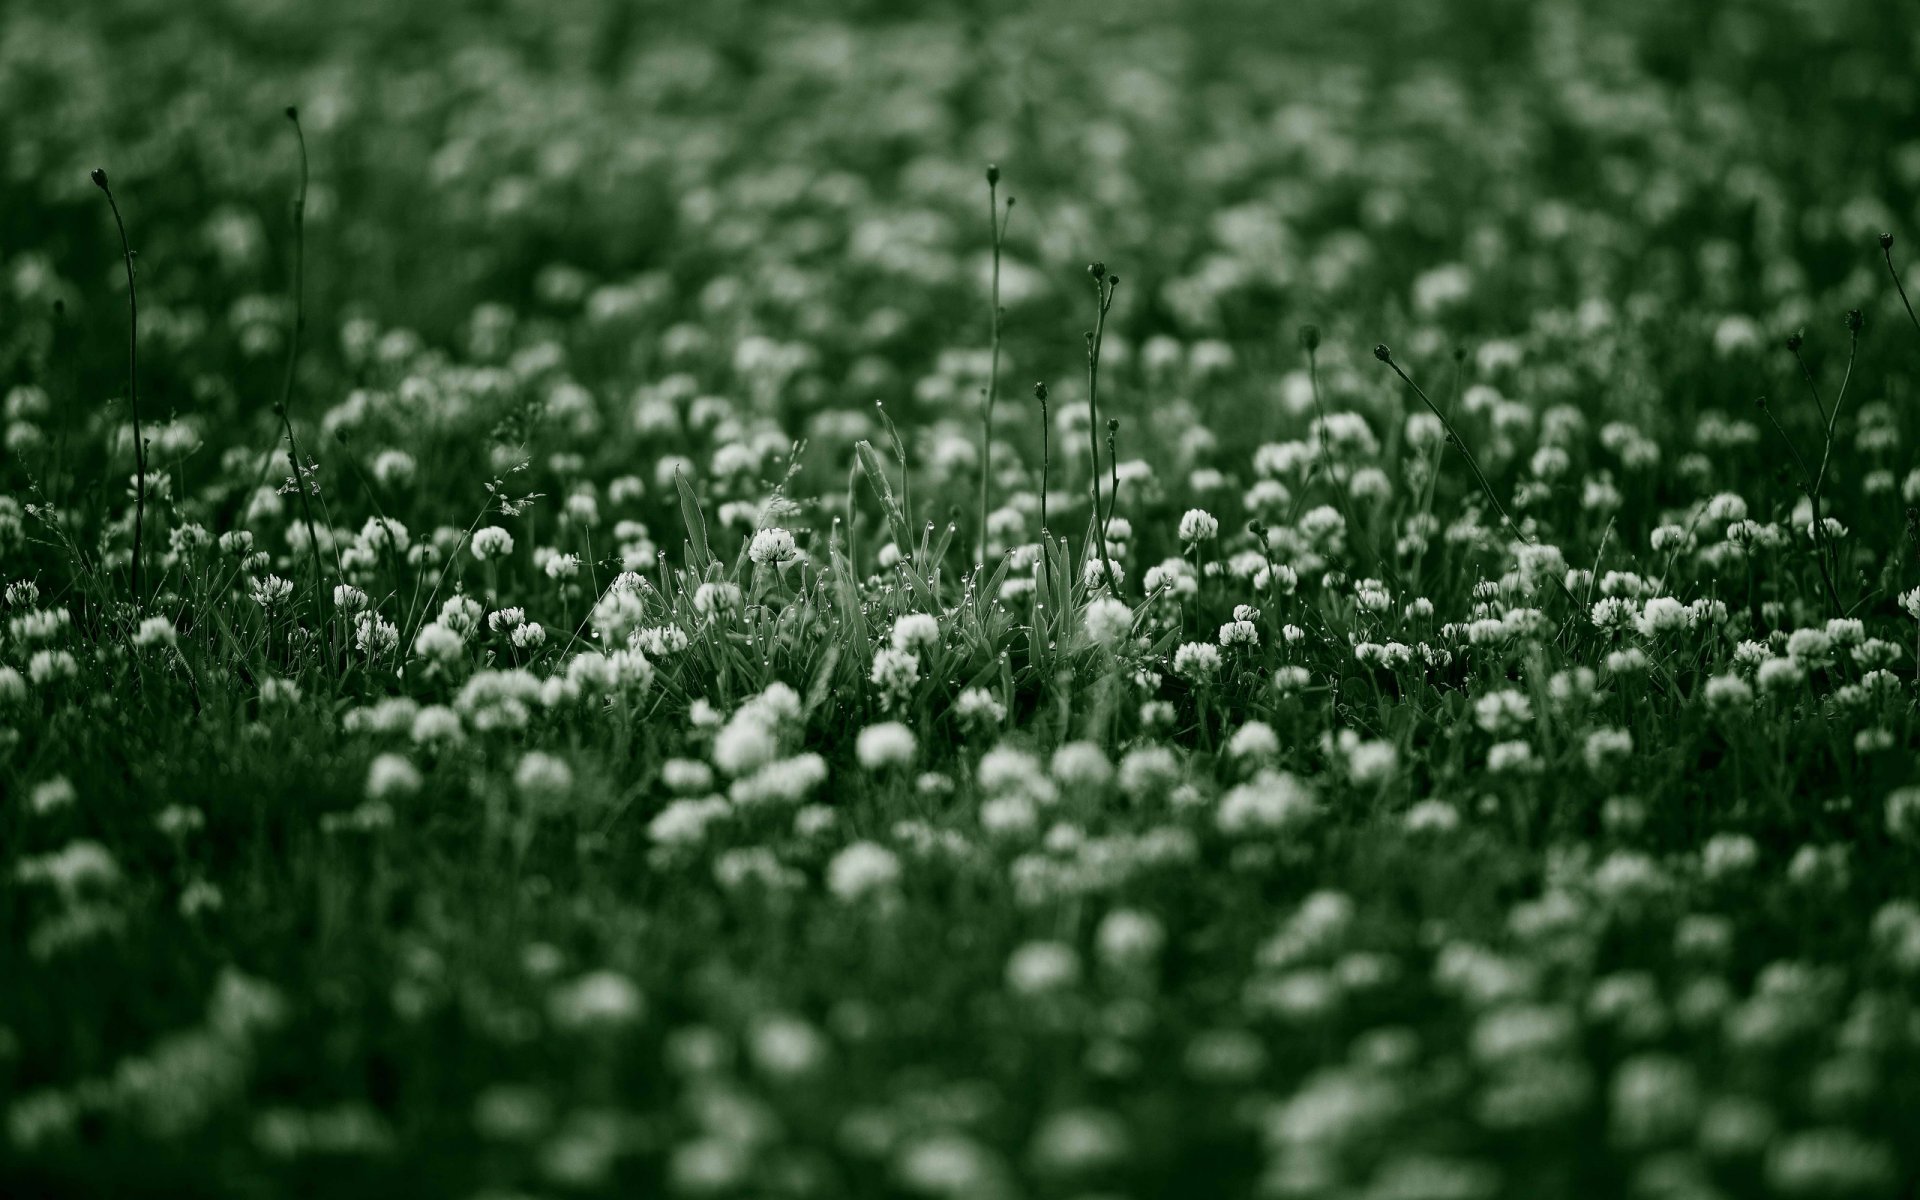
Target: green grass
<point>1481,782</point>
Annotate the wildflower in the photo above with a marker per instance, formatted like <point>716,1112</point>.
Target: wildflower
<point>1272,801</point>
<point>977,707</point>
<point>1082,765</point>
<point>1511,758</point>
<point>894,674</point>
<point>888,744</point>
<point>914,633</point>
<point>1239,633</point>
<point>490,543</point>
<point>598,1001</point>
<point>773,547</point>
<point>1196,662</point>
<point>1661,615</point>
<point>392,777</point>
<point>542,778</point>
<point>153,632</point>
<point>1254,740</point>
<point>438,644</point>
<point>1199,525</point>
<point>1108,620</point>
<point>861,870</point>
<point>1371,762</point>
<point>1038,968</point>
<point>374,636</point>
<point>270,591</point>
<point>1781,674</point>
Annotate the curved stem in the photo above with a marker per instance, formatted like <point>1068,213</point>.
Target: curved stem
<point>299,320</point>
<point>133,388</point>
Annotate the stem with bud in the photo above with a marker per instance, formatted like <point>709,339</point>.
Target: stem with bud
<point>1103,289</point>
<point>997,228</point>
<point>133,385</point>
<point>1886,251</point>
<point>299,320</point>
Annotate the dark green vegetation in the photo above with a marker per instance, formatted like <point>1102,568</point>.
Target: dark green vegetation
<point>555,738</point>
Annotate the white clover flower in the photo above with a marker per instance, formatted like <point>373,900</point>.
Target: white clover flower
<point>529,636</point>
<point>1253,740</point>
<point>1108,620</point>
<point>1040,968</point>
<point>744,744</point>
<point>1270,802</point>
<point>1128,939</point>
<point>51,795</point>
<point>684,822</point>
<point>1289,680</point>
<point>490,543</point>
<point>154,632</point>
<point>714,600</point>
<point>597,1001</point>
<point>542,778</point>
<point>1371,762</point>
<point>1660,615</point>
<point>1093,574</point>
<point>1239,633</point>
<point>461,614</point>
<point>1199,525</point>
<point>392,777</point>
<point>349,599</point>
<point>915,632</point>
<point>1810,646</point>
<point>1082,765</point>
<point>1197,662</point>
<point>1502,712</point>
<point>786,1047</point>
<point>863,870</point>
<point>979,708</point>
<point>773,547</point>
<point>505,619</point>
<point>436,724</point>
<point>617,615</point>
<point>437,643</point>
<point>887,744</point>
<point>269,591</point>
<point>1780,674</point>
<point>895,672</point>
<point>1511,758</point>
<point>1604,746</point>
<point>374,636</point>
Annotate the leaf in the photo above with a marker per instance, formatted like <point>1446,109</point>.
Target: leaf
<point>696,523</point>
<point>876,474</point>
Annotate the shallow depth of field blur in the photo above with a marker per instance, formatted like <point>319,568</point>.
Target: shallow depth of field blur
<point>646,747</point>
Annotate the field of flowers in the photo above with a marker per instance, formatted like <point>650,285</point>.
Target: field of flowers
<point>829,600</point>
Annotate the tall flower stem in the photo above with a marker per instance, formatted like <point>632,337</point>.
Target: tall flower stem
<point>133,386</point>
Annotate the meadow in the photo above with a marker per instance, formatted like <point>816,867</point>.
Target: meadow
<point>966,600</point>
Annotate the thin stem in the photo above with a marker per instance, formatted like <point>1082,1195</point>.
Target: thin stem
<point>1113,469</point>
<point>1793,345</point>
<point>997,227</point>
<point>297,287</point>
<point>1046,453</point>
<point>1886,251</point>
<point>1386,356</point>
<point>1310,343</point>
<point>1103,289</point>
<point>133,386</point>
<point>1813,497</point>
